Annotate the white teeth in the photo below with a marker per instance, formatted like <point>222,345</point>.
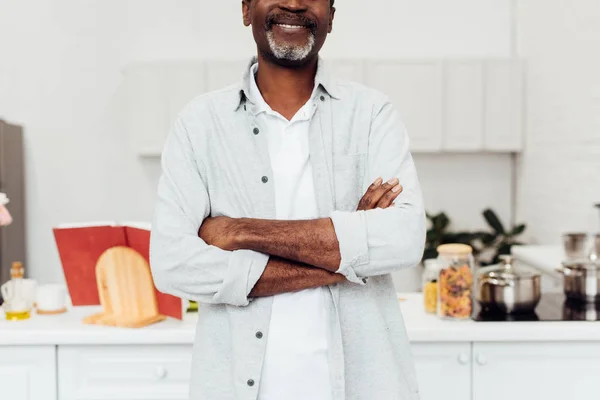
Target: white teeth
<point>291,26</point>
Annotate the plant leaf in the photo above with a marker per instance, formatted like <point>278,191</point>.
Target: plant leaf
<point>493,221</point>
<point>519,229</point>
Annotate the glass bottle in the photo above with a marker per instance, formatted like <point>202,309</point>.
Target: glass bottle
<point>455,284</point>
<point>430,285</point>
<point>16,305</point>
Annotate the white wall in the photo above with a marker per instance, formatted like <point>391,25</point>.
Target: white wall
<point>60,66</point>
<point>560,170</point>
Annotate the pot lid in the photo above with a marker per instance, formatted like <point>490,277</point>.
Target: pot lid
<point>509,272</point>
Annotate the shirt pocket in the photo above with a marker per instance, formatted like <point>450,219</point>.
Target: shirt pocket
<point>348,176</point>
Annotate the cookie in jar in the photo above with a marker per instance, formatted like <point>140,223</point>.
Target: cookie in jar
<point>455,283</point>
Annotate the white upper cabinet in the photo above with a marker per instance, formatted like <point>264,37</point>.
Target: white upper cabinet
<point>415,89</point>
<point>221,74</point>
<point>184,82</point>
<point>503,105</point>
<point>349,70</point>
<point>147,107</point>
<point>463,110</point>
<point>447,105</point>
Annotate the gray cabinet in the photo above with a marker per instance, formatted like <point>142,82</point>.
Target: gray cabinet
<point>12,182</point>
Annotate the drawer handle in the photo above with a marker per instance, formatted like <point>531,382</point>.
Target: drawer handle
<point>463,358</point>
<point>481,359</point>
<point>160,372</point>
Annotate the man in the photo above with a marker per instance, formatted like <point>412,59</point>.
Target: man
<point>280,209</point>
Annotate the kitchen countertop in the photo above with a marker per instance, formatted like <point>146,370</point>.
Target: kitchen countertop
<point>67,329</point>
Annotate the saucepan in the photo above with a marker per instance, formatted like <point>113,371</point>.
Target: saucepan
<point>508,288</point>
<point>581,280</point>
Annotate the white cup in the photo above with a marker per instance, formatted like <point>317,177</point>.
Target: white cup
<point>51,298</point>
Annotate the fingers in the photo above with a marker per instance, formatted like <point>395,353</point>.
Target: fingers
<point>378,191</point>
<point>388,198</point>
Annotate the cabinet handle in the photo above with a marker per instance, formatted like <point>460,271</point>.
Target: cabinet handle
<point>160,372</point>
<point>463,358</point>
<point>481,359</point>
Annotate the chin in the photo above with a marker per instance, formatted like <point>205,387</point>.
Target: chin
<point>289,54</point>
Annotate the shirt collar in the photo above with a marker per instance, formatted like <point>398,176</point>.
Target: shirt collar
<point>322,80</point>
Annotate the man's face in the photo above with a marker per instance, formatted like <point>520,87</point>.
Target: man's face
<point>289,32</point>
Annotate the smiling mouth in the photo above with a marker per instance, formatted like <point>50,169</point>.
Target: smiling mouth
<point>289,26</point>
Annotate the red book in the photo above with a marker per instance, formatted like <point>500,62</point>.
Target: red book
<point>79,247</point>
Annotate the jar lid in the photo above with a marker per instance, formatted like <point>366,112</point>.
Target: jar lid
<point>431,264</point>
<point>454,248</point>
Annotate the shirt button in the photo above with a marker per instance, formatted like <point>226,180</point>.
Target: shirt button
<point>259,335</point>
<point>250,382</point>
<point>322,98</point>
<point>265,179</point>
<point>255,131</point>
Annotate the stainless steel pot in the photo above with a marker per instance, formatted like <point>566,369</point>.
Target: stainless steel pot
<point>508,289</point>
<point>581,280</point>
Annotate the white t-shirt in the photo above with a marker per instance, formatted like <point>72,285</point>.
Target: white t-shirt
<point>296,363</point>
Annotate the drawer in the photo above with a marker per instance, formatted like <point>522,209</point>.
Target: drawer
<point>124,372</point>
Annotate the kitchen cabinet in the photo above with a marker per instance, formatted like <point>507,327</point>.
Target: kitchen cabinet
<point>124,372</point>
<point>523,371</point>
<point>503,126</point>
<point>415,89</point>
<point>28,372</point>
<point>448,105</point>
<point>464,109</point>
<point>443,370</point>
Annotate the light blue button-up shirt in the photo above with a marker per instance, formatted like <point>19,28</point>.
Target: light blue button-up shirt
<point>214,163</point>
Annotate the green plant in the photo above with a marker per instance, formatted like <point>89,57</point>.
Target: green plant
<point>487,246</point>
<point>499,241</point>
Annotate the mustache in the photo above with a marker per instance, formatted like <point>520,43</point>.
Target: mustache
<point>287,18</point>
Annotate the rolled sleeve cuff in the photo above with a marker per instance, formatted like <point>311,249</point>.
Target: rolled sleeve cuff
<point>244,269</point>
<point>351,231</point>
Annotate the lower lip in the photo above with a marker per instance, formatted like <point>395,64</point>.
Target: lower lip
<point>290,31</point>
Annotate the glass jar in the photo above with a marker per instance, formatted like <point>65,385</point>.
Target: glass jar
<point>455,283</point>
<point>430,285</point>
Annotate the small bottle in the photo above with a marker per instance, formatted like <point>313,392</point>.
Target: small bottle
<point>430,285</point>
<point>16,306</point>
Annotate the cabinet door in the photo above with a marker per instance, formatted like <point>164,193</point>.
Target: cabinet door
<point>147,107</point>
<point>524,371</point>
<point>221,74</point>
<point>503,105</point>
<point>28,373</point>
<point>443,370</point>
<point>416,90</point>
<point>124,372</point>
<point>349,70</point>
<point>463,106</point>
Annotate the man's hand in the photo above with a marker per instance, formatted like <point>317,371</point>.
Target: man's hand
<point>380,195</point>
<point>220,232</point>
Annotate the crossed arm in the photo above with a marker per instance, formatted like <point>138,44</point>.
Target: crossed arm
<point>296,247</point>
<point>229,261</point>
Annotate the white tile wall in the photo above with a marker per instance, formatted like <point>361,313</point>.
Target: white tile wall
<point>560,169</point>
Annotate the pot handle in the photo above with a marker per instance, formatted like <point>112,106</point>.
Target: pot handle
<point>495,281</point>
<point>567,272</point>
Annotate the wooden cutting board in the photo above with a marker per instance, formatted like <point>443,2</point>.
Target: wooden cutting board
<point>125,289</point>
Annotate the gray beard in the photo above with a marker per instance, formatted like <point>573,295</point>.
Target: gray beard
<point>288,52</point>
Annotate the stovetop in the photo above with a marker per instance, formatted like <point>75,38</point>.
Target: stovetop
<point>552,307</point>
